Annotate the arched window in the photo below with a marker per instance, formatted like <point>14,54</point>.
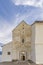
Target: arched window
<point>8,53</point>
<point>22,40</point>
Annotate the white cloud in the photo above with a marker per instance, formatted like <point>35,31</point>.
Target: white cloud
<point>5,31</point>
<point>37,3</point>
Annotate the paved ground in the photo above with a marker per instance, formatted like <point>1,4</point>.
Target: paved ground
<point>17,63</point>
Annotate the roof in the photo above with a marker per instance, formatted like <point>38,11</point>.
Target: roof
<point>37,22</point>
<point>7,43</point>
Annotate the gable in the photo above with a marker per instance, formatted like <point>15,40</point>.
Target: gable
<point>20,26</point>
<point>22,30</point>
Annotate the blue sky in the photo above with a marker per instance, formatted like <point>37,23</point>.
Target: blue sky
<point>12,12</point>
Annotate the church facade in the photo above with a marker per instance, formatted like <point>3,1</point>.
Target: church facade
<point>26,44</point>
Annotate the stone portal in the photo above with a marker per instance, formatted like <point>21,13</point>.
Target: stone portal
<point>22,56</point>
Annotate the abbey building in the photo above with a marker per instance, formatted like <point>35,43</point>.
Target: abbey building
<point>26,44</point>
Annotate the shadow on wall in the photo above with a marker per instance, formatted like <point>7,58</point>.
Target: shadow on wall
<point>33,46</point>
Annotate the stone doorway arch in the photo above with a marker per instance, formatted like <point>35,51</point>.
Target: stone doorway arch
<point>23,56</point>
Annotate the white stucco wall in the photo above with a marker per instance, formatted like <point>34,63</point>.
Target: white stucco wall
<point>39,33</point>
<point>39,54</point>
<point>7,48</point>
<point>39,43</point>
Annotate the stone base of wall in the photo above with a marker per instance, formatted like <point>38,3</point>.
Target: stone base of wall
<point>31,62</point>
